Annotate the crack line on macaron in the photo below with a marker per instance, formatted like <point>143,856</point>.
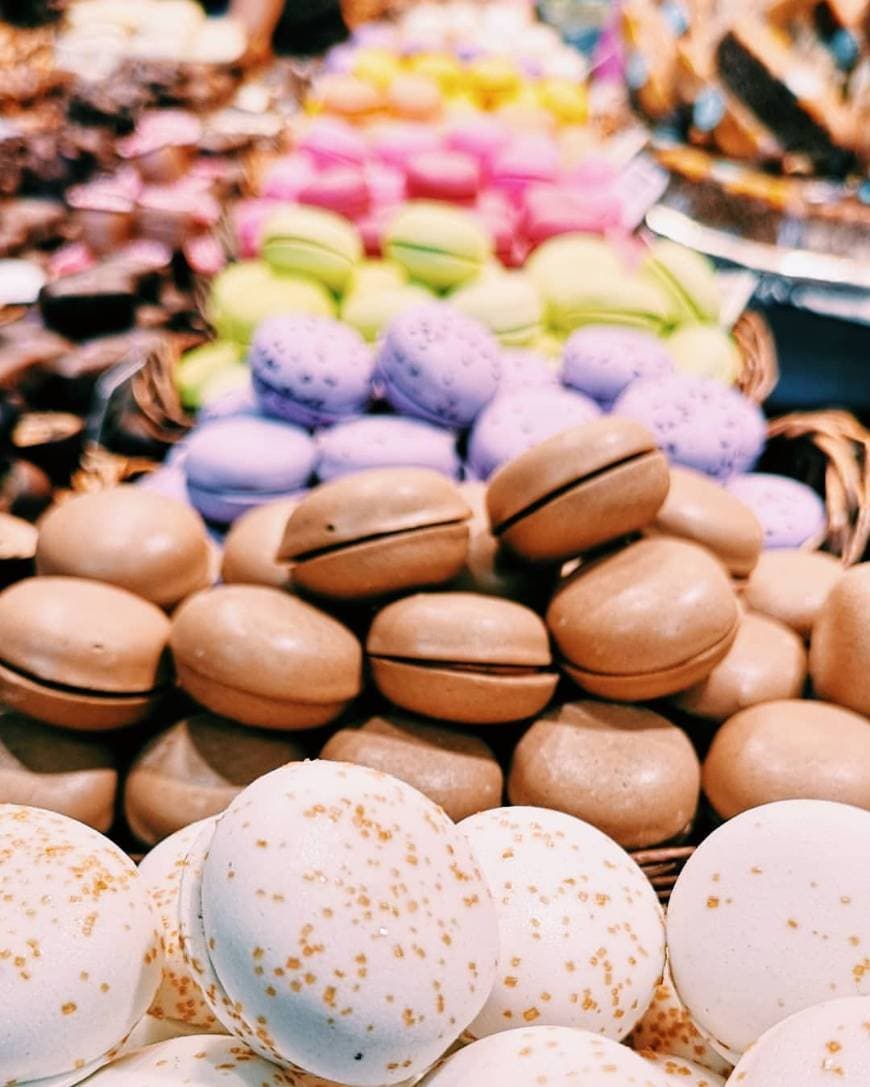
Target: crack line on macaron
<point>89,692</point>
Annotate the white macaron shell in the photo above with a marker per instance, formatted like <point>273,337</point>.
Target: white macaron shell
<point>771,915</point>
<point>179,996</point>
<point>79,947</point>
<point>552,1056</point>
<point>580,927</point>
<point>818,1047</point>
<point>678,1072</point>
<point>348,922</point>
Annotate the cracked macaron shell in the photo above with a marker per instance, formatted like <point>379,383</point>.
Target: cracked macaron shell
<point>580,488</point>
<point>263,657</point>
<point>128,536</point>
<point>645,621</point>
<point>579,925</point>
<point>775,905</point>
<point>72,899</point>
<point>393,949</point>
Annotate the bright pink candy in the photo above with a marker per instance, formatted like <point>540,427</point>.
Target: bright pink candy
<point>249,218</point>
<point>373,228</point>
<point>161,128</point>
<point>595,170</point>
<point>530,161</point>
<point>342,189</point>
<point>70,259</point>
<point>552,210</point>
<point>399,142</point>
<point>444,175</point>
<point>500,217</point>
<point>386,183</point>
<point>483,137</point>
<point>287,177</point>
<point>204,255</point>
<point>333,142</point>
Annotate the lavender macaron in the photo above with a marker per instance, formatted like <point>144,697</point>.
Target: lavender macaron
<point>698,422</point>
<point>237,463</point>
<point>522,369</point>
<point>603,360</point>
<point>385,441</point>
<point>517,420</point>
<point>310,370</point>
<point>790,512</point>
<point>437,364</point>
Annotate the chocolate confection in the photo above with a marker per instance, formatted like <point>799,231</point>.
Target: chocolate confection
<point>91,303</point>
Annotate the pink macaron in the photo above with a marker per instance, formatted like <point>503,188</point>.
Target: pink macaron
<point>529,160</point>
<point>331,141</point>
<point>342,189</point>
<point>502,221</point>
<point>386,184</point>
<point>552,209</point>
<point>444,175</point>
<point>399,142</point>
<point>286,177</point>
<point>482,136</point>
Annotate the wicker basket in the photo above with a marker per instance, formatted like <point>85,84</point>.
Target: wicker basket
<point>759,371</point>
<point>662,866</point>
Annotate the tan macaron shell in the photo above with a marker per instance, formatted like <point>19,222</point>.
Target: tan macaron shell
<point>263,657</point>
<point>698,509</point>
<point>377,531</point>
<point>195,769</point>
<point>252,543</point>
<point>789,750</point>
<point>766,662</point>
<point>840,645</point>
<point>80,653</point>
<point>131,537</point>
<point>62,772</point>
<point>456,770</point>
<point>792,586</point>
<point>624,769</point>
<point>645,621</point>
<point>462,657</point>
<point>579,489</point>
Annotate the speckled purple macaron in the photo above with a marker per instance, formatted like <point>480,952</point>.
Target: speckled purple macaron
<point>237,463</point>
<point>698,422</point>
<point>310,370</point>
<point>603,360</point>
<point>437,364</point>
<point>522,369</point>
<point>385,441</point>
<point>790,512</point>
<point>517,420</point>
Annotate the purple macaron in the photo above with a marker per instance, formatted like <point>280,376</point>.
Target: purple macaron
<point>385,441</point>
<point>310,370</point>
<point>437,364</point>
<point>517,420</point>
<point>603,360</point>
<point>235,464</point>
<point>790,512</point>
<point>522,369</point>
<point>698,422</point>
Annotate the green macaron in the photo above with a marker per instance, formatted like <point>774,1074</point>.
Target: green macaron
<point>198,368</point>
<point>603,299</point>
<point>509,305</point>
<point>369,310</point>
<point>687,278</point>
<point>312,242</point>
<point>706,351</point>
<point>439,245</point>
<point>247,293</point>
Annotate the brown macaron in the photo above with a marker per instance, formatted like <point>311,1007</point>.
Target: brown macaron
<point>624,769</point>
<point>646,621</point>
<point>44,767</point>
<point>131,537</point>
<point>792,586</point>
<point>456,770</point>
<point>17,549</point>
<point>81,654</point>
<point>462,657</point>
<point>577,490</point>
<point>252,543</point>
<point>195,769</point>
<point>376,532</point>
<point>699,509</point>
<point>766,663</point>
<point>840,644</point>
<point>263,657</point>
<point>789,750</point>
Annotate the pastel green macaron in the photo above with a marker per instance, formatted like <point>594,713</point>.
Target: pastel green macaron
<point>509,305</point>
<point>440,245</point>
<point>245,294</point>
<point>312,242</point>
<point>369,309</point>
<point>706,351</point>
<point>198,368</point>
<point>567,254</point>
<point>376,275</point>
<point>585,297</point>
<point>687,278</point>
